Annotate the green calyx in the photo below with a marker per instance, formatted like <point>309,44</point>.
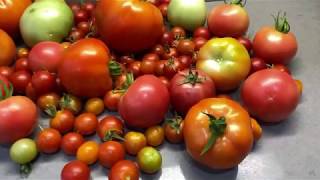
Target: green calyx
<point>281,22</point>
<point>7,91</point>
<point>114,68</point>
<point>125,86</point>
<point>241,3</point>
<point>65,102</point>
<point>217,127</point>
<point>112,135</point>
<point>175,123</point>
<point>51,111</point>
<point>192,78</point>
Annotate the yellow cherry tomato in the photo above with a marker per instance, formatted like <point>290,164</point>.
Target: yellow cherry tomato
<point>134,142</point>
<point>155,135</point>
<point>95,106</point>
<point>88,152</point>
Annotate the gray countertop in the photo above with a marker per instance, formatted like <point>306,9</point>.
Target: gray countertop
<point>289,150</point>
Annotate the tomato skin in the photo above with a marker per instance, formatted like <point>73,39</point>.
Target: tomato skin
<point>282,68</point>
<point>75,170</point>
<point>165,81</point>
<point>94,105</point>
<point>86,123</point>
<point>124,169</point>
<point>173,135</point>
<point>142,18</point>
<point>43,82</point>
<point>170,53</point>
<point>151,56</point>
<point>184,96</point>
<point>87,60</point>
<point>6,71</point>
<point>48,141</point>
<point>186,47</point>
<point>171,67</point>
<point>202,32</point>
<point>232,146</point>
<point>7,46</point>
<point>20,80</point>
<point>16,110</point>
<point>155,135</point>
<point>158,49</point>
<point>273,101</point>
<point>148,66</point>
<point>246,43</point>
<point>135,68</point>
<point>71,142</point>
<point>111,100</point>
<point>275,47</point>
<point>159,70</point>
<point>109,123</point>
<point>88,152</point>
<point>21,64</point>
<point>153,98</point>
<point>49,99</point>
<point>110,153</point>
<point>228,20</point>
<point>257,64</point>
<point>199,42</point>
<point>134,142</point>
<point>63,121</point>
<point>167,38</point>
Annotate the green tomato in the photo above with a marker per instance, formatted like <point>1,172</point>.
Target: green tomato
<point>149,160</point>
<point>23,151</point>
<point>188,14</point>
<point>46,20</point>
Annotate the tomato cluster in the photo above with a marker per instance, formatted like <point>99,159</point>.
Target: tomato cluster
<point>143,71</point>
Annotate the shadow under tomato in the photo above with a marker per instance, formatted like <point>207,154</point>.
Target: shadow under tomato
<point>154,176</point>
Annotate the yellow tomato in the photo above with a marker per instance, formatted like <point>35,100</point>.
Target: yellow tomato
<point>88,152</point>
<point>95,106</point>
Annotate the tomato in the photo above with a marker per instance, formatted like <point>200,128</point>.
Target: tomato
<point>110,153</point>
<point>43,82</point>
<point>109,127</point>
<point>89,7</point>
<point>7,46</point>
<point>124,169</point>
<point>276,45</point>
<point>270,95</point>
<point>126,59</point>
<point>178,32</point>
<point>256,129</point>
<point>81,16</point>
<point>111,100</point>
<point>84,27</point>
<point>66,45</point>
<point>228,20</point>
<point>134,142</point>
<point>23,151</point>
<point>148,66</point>
<point>86,123</point>
<point>74,7</point>
<point>20,80</point>
<point>299,85</point>
<point>143,19</point>
<point>135,68</point>
<point>165,81</point>
<point>188,87</point>
<point>257,64</point>
<point>145,103</point>
<point>186,47</point>
<point>158,49</point>
<point>48,100</point>
<point>167,38</point>
<point>163,9</point>
<point>151,56</point>
<point>10,13</point>
<point>22,53</point>
<point>76,35</point>
<point>173,130</point>
<point>170,53</point>
<point>71,103</point>
<point>6,71</point>
<point>18,118</point>
<point>48,141</point>
<point>199,42</point>
<point>217,133</point>
<point>149,160</point>
<point>202,32</point>
<point>185,61</point>
<point>154,135</point>
<point>87,60</point>
<point>246,42</point>
<point>71,142</point>
<point>94,105</point>
<point>75,170</point>
<point>226,61</point>
<point>159,70</point>
<point>62,121</point>
<point>88,152</point>
<point>171,67</point>
<point>281,68</point>
<point>21,64</point>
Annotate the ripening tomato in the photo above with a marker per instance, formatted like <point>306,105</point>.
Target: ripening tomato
<point>88,152</point>
<point>186,47</point>
<point>48,141</point>
<point>109,128</point>
<point>110,153</point>
<point>71,103</point>
<point>111,100</point>
<point>62,121</point>
<point>48,100</point>
<point>20,80</point>
<point>143,20</point>
<point>124,169</point>
<point>21,64</point>
<point>94,105</point>
<point>154,135</point>
<point>202,32</point>
<point>134,142</point>
<point>22,53</point>
<point>71,142</point>
<point>218,133</point>
<point>256,130</point>
<point>75,170</point>
<point>173,130</point>
<point>43,82</point>
<point>7,46</point>
<point>86,123</point>
<point>6,71</point>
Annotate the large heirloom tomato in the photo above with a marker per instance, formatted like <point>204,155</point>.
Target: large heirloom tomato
<point>8,49</point>
<point>226,61</point>
<point>129,25</point>
<point>145,103</point>
<point>84,68</point>
<point>218,133</point>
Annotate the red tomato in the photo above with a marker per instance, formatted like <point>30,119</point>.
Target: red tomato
<point>110,153</point>
<point>10,13</point>
<point>71,142</point>
<point>281,68</point>
<point>30,92</point>
<point>43,82</point>
<point>170,53</point>
<point>109,127</point>
<point>20,80</point>
<point>75,170</point>
<point>270,95</point>
<point>178,33</point>
<point>111,100</point>
<point>81,15</point>
<point>89,7</point>
<point>7,46</point>
<point>126,59</point>
<point>6,71</point>
<point>124,169</point>
<point>202,32</point>
<point>75,35</point>
<point>228,20</point>
<point>167,38</point>
<point>276,45</point>
<point>159,71</point>
<point>171,67</point>
<point>185,61</point>
<point>18,118</point>
<point>141,27</point>
<point>199,42</point>
<point>84,27</point>
<point>186,47</point>
<point>48,141</point>
<point>246,43</point>
<point>86,123</point>
<point>165,81</point>
<point>151,56</point>
<point>145,103</point>
<point>188,87</point>
<point>158,49</point>
<point>45,56</point>
<point>173,130</point>
<point>148,66</point>
<point>87,60</point>
<point>257,64</point>
<point>74,7</point>
<point>62,121</point>
<point>135,68</point>
<point>21,64</point>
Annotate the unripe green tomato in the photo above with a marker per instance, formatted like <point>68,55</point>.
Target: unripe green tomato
<point>23,151</point>
<point>188,14</point>
<point>46,20</point>
<point>149,160</point>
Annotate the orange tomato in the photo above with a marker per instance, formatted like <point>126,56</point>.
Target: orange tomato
<point>134,142</point>
<point>88,152</point>
<point>256,129</point>
<point>155,135</point>
<point>95,106</point>
<point>7,47</point>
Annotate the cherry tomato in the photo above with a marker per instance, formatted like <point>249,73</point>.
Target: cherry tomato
<point>86,123</point>
<point>165,81</point>
<point>111,100</point>
<point>257,64</point>
<point>75,35</point>
<point>110,153</point>
<point>48,141</point>
<point>134,142</point>
<point>94,105</point>
<point>71,103</point>
<point>89,7</point>
<point>71,142</point>
<point>126,59</point>
<point>172,67</point>
<point>281,68</point>
<point>62,121</point>
<point>256,130</point>
<point>173,129</point>
<point>20,80</point>
<point>81,16</point>
<point>148,66</point>
<point>21,64</point>
<point>84,27</point>
<point>23,151</point>
<point>299,85</point>
<point>167,38</point>
<point>159,70</point>
<point>149,160</point>
<point>109,127</point>
<point>124,169</point>
<point>6,71</point>
<point>246,42</point>
<point>178,32</point>
<point>88,152</point>
<point>158,49</point>
<point>186,61</point>
<point>22,53</point>
<point>43,82</point>
<point>48,100</point>
<point>154,135</point>
<point>163,9</point>
<point>74,7</point>
<point>202,32</point>
<point>7,46</point>
<point>135,68</point>
<point>151,56</point>
<point>199,42</point>
<point>30,92</point>
<point>186,47</point>
<point>75,170</point>
<point>170,53</point>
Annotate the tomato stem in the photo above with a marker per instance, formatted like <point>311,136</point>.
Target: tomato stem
<point>25,170</point>
<point>65,103</point>
<point>51,110</point>
<point>192,78</point>
<point>175,123</point>
<point>111,135</point>
<point>241,3</point>
<point>114,68</point>
<point>281,22</point>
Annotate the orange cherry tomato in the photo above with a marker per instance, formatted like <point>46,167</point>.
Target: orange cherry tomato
<point>256,129</point>
<point>88,152</point>
<point>63,121</point>
<point>48,141</point>
<point>110,153</point>
<point>134,142</point>
<point>155,135</point>
<point>8,48</point>
<point>111,100</point>
<point>173,130</point>
<point>86,123</point>
<point>94,105</point>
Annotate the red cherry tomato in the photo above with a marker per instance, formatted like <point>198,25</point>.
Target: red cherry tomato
<point>48,141</point>
<point>84,27</point>
<point>170,53</point>
<point>158,49</point>
<point>62,121</point>
<point>171,67</point>
<point>124,169</point>
<point>71,142</point>
<point>109,127</point>
<point>167,38</point>
<point>186,61</point>
<point>163,9</point>
<point>151,56</point>
<point>81,15</point>
<point>178,32</point>
<point>257,64</point>
<point>43,82</point>
<point>21,64</point>
<point>159,70</point>
<point>246,42</point>
<point>199,42</point>
<point>6,71</point>
<point>86,123</point>
<point>148,66</point>
<point>89,7</point>
<point>202,32</point>
<point>75,170</point>
<point>110,153</point>
<point>135,68</point>
<point>111,100</point>
<point>20,80</point>
<point>186,47</point>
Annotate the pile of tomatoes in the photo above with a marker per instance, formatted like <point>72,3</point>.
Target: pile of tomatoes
<point>165,83</point>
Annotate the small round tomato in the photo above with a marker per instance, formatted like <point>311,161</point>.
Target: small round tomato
<point>158,49</point>
<point>299,85</point>
<point>109,127</point>
<point>6,71</point>
<point>71,103</point>
<point>173,129</point>
<point>163,9</point>
<point>71,142</point>
<point>134,68</point>
<point>151,56</point>
<point>23,151</point>
<point>89,7</point>
<point>159,70</point>
<point>86,123</point>
<point>81,16</point>
<point>148,66</point>
<point>7,46</point>
<point>185,61</point>
<point>43,82</point>
<point>111,100</point>
<point>167,38</point>
<point>94,105</point>
<point>154,135</point>
<point>22,53</point>
<point>75,35</point>
<point>186,47</point>
<point>178,32</point>
<point>110,153</point>
<point>62,121</point>
<point>75,170</point>
<point>256,130</point>
<point>88,152</point>
<point>21,64</point>
<point>124,169</point>
<point>149,160</point>
<point>171,67</point>
<point>202,32</point>
<point>20,80</point>
<point>199,42</point>
<point>257,64</point>
<point>84,27</point>
<point>126,59</point>
<point>281,68</point>
<point>246,42</point>
<point>170,53</point>
<point>30,92</point>
<point>134,142</point>
<point>48,100</point>
<point>165,81</point>
<point>48,141</point>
